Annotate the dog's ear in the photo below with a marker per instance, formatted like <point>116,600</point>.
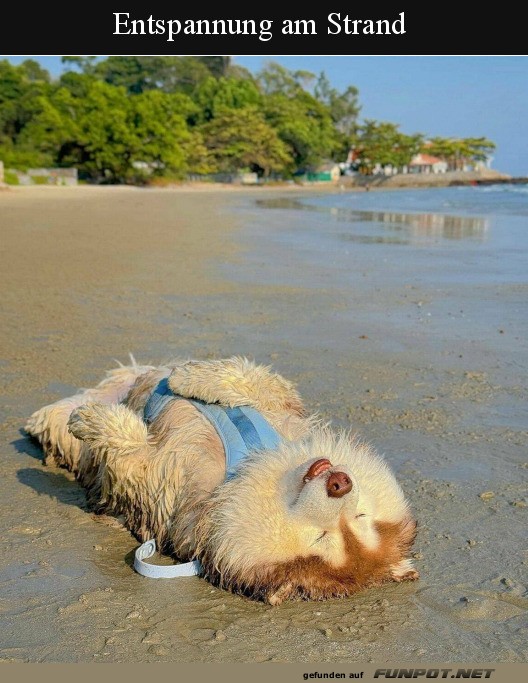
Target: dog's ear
<point>276,596</point>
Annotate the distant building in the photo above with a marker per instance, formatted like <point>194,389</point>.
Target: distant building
<point>420,163</point>
<point>385,169</point>
<point>46,176</point>
<point>479,165</point>
<point>329,172</point>
<point>425,163</point>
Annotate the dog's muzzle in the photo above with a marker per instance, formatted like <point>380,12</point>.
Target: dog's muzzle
<point>338,483</point>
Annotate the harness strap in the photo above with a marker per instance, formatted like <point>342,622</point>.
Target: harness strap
<point>158,399</point>
<point>241,430</point>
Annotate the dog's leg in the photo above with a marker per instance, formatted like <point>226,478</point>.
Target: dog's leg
<point>404,570</point>
<point>49,424</point>
<point>236,382</point>
<point>120,452</point>
<point>113,430</point>
<point>105,435</point>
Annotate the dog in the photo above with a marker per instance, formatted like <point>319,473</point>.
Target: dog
<point>317,515</point>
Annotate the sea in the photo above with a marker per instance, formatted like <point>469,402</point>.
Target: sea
<point>434,276</point>
<point>457,234</point>
<point>483,220</point>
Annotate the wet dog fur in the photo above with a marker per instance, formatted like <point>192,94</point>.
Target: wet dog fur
<point>321,516</point>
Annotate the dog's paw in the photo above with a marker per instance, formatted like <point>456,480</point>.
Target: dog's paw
<point>278,596</point>
<point>113,428</point>
<point>83,421</point>
<point>112,521</point>
<point>404,571</point>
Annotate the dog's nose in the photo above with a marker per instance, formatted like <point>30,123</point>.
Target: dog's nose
<point>317,468</point>
<point>338,484</point>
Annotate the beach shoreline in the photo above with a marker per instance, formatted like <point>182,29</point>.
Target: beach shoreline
<point>356,183</point>
<point>93,273</point>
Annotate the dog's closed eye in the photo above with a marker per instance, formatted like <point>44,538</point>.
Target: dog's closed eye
<point>320,538</point>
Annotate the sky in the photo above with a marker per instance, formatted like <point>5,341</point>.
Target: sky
<point>447,96</point>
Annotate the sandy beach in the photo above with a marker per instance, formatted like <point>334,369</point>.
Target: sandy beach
<point>429,374</point>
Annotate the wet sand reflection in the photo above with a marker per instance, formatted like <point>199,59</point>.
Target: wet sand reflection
<point>390,227</point>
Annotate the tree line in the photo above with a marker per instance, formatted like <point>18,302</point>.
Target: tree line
<point>123,119</point>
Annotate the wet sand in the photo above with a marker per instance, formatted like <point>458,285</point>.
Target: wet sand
<point>91,274</point>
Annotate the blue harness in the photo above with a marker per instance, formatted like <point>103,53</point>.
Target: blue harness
<point>241,430</point>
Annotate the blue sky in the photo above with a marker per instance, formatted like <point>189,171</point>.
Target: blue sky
<point>445,95</point>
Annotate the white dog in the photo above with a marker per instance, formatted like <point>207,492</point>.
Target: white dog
<point>218,462</point>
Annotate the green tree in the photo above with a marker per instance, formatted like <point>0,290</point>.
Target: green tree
<point>18,91</point>
<point>301,120</point>
<point>457,152</point>
<point>51,128</point>
<point>274,78</point>
<point>78,84</point>
<point>382,143</point>
<point>241,139</point>
<point>139,74</point>
<point>479,148</point>
<point>33,71</point>
<point>214,96</point>
<point>217,65</point>
<point>184,113</point>
<point>112,137</point>
<point>102,143</point>
<point>85,64</point>
<point>304,125</point>
<point>12,89</point>
<point>21,91</point>
<point>344,110</point>
<point>163,139</point>
<point>343,106</point>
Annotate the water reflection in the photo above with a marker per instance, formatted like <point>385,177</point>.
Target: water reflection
<point>410,228</point>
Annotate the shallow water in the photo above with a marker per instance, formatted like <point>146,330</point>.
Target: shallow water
<point>428,278</point>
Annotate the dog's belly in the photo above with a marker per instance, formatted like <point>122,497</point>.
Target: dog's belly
<point>188,463</point>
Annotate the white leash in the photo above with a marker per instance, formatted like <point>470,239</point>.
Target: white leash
<point>156,571</point>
